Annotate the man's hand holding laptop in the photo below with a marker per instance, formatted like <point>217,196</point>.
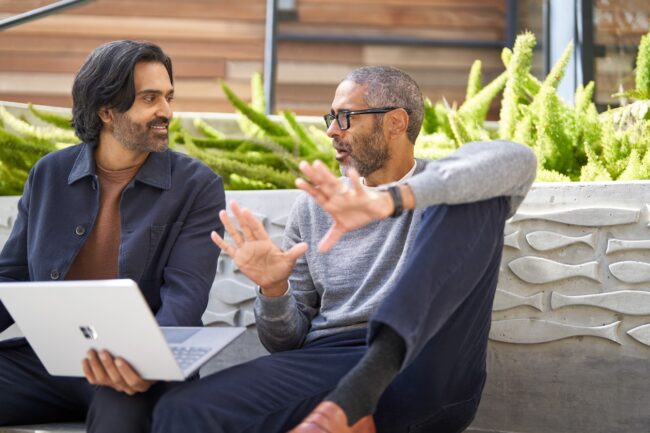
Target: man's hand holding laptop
<point>105,370</point>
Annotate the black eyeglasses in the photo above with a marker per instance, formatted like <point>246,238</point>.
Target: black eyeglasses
<point>343,116</point>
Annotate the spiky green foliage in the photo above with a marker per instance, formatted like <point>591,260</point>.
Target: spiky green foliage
<point>570,142</point>
<point>461,133</point>
<point>39,133</point>
<point>226,167</point>
<point>544,175</point>
<point>17,155</point>
<point>306,144</point>
<point>258,118</point>
<point>58,120</point>
<point>429,119</point>
<point>642,77</point>
<point>474,80</point>
<point>203,126</point>
<point>477,107</point>
<point>517,73</point>
<point>593,171</point>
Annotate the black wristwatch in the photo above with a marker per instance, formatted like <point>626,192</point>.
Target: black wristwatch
<point>396,196</point>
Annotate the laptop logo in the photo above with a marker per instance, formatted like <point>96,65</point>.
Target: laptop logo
<point>88,332</point>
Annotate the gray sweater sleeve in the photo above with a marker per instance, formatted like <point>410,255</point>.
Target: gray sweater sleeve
<point>477,171</point>
<point>284,321</point>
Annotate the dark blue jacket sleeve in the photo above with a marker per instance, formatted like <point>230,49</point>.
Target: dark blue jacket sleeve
<point>13,258</point>
<point>192,264</point>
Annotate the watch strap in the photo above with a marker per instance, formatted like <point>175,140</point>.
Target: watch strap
<point>396,196</point>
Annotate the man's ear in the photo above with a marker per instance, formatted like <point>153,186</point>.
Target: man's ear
<point>398,122</point>
<point>106,115</point>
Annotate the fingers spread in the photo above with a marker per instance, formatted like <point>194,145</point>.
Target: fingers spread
<point>297,250</point>
<point>321,177</point>
<point>353,175</point>
<point>256,227</point>
<point>225,247</point>
<point>231,229</point>
<point>331,237</point>
<point>312,191</point>
<point>243,221</point>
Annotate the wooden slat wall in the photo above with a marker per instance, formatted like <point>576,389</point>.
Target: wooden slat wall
<point>210,40</point>
<point>619,25</point>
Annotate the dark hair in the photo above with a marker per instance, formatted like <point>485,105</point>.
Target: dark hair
<point>386,86</point>
<point>106,80</point>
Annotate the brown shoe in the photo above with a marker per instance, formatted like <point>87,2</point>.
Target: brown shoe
<point>328,417</point>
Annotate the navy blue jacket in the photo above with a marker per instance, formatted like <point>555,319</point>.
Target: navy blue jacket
<point>167,212</point>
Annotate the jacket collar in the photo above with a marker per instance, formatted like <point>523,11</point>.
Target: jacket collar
<point>156,170</point>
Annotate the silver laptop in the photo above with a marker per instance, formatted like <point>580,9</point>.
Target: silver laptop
<point>62,320</point>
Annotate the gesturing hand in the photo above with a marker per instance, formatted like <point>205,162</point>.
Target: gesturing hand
<point>255,254</point>
<point>350,207</point>
<point>116,373</point>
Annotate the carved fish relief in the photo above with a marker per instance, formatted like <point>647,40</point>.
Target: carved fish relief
<point>278,239</point>
<point>641,334</point>
<point>210,317</point>
<point>545,240</point>
<point>630,271</point>
<point>532,331</point>
<point>590,217</point>
<point>280,221</point>
<point>512,240</point>
<point>632,302</point>
<point>504,300</point>
<point>537,270</point>
<point>614,245</point>
<point>248,318</point>
<point>232,292</point>
<point>7,222</point>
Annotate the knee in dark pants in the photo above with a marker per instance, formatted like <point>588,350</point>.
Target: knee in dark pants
<point>112,411</point>
<point>179,411</point>
<point>453,418</point>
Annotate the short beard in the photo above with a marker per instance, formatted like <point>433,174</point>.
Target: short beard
<point>371,152</point>
<point>138,138</point>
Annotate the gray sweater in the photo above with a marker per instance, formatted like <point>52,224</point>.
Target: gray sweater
<point>340,290</point>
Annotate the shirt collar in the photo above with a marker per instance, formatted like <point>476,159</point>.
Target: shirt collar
<point>397,182</point>
<point>156,170</point>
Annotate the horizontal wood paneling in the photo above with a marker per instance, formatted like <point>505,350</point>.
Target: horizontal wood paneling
<point>619,25</point>
<point>210,40</point>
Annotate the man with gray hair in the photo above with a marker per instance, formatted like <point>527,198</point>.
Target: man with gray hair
<point>379,302</point>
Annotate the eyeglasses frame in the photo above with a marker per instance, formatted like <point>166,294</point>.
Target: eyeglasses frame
<point>330,117</point>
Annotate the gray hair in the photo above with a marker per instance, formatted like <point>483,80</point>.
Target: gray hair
<point>386,86</point>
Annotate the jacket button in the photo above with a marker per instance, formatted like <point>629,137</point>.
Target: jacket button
<point>80,230</point>
<point>54,275</point>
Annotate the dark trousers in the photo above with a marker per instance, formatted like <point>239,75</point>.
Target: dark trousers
<point>30,395</point>
<point>441,306</point>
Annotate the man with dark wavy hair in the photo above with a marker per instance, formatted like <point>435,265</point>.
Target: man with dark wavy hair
<point>118,205</point>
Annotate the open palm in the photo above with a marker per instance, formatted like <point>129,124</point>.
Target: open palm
<point>255,254</point>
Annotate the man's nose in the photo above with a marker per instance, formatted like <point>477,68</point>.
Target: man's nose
<point>333,130</point>
<point>165,110</point>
